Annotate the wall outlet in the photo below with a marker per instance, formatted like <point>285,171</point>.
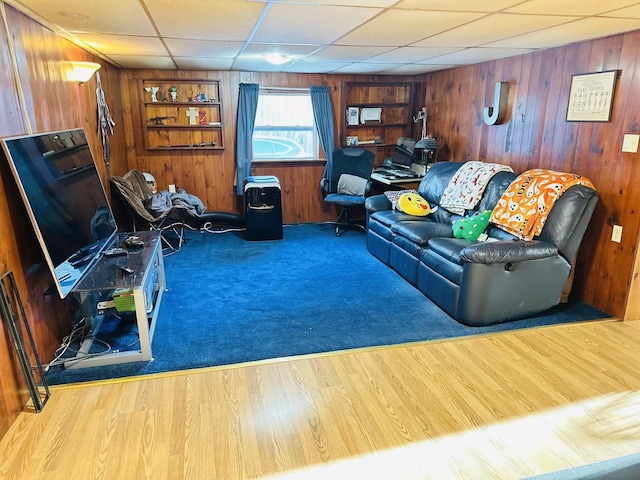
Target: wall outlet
<point>630,143</point>
<point>616,234</point>
<point>172,188</point>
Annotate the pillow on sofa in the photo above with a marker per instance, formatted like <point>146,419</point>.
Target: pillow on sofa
<point>394,195</point>
<point>413,204</point>
<point>472,226</point>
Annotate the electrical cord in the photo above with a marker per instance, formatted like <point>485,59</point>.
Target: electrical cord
<point>208,227</point>
<point>77,335</point>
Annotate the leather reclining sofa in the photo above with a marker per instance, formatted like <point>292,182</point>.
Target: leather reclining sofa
<point>481,283</point>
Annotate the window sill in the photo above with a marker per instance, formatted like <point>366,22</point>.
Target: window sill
<point>291,162</point>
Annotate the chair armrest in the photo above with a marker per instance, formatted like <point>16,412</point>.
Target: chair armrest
<point>367,188</point>
<point>504,251</point>
<point>377,203</point>
<point>324,187</point>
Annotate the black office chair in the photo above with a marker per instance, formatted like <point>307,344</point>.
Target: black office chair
<point>346,184</point>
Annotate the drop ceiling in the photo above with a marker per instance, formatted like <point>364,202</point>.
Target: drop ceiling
<point>402,37</point>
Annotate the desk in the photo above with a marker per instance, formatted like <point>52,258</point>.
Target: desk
<point>396,183</point>
<point>147,283</point>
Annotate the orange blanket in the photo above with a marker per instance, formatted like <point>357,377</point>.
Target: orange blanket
<point>525,204</point>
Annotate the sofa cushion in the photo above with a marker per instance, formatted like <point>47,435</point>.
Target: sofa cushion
<point>436,180</point>
<point>391,217</point>
<point>449,248</point>
<point>494,189</point>
<point>381,229</point>
<point>438,266</point>
<point>406,246</point>
<point>421,231</point>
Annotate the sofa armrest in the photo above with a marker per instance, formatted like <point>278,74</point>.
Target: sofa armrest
<point>504,251</point>
<point>377,203</point>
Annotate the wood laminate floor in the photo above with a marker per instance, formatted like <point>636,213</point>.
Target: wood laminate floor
<point>503,406</point>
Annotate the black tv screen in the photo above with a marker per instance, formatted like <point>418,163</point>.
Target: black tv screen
<point>65,200</point>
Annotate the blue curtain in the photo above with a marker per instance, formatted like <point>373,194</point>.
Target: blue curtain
<point>323,117</point>
<point>247,106</point>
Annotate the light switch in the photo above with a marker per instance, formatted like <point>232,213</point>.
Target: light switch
<point>616,234</point>
<point>172,188</point>
<point>630,143</point>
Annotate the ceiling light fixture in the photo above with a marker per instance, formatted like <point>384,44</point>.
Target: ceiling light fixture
<point>277,58</point>
<point>83,71</point>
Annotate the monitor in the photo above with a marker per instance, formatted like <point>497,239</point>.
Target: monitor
<point>65,200</point>
<point>402,157</point>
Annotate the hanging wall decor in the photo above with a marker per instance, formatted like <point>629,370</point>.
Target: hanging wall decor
<point>591,97</point>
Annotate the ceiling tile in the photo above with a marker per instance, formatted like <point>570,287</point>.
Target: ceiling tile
<point>253,64</point>
<point>365,68</point>
<point>203,48</point>
<point>410,54</point>
<point>314,24</point>
<point>143,62</point>
<point>348,54</point>
<point>259,50</point>
<point>475,55</point>
<point>593,27</point>
<point>124,45</point>
<point>229,20</point>
<point>126,17</point>
<point>304,66</point>
<point>199,63</point>
<point>569,7</point>
<point>398,28</point>
<point>492,28</point>
<point>629,12</point>
<point>415,69</point>
<point>458,5</point>
<point>351,3</point>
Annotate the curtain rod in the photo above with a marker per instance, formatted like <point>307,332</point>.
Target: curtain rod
<point>288,89</point>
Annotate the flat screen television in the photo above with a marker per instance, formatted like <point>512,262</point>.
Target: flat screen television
<point>65,200</point>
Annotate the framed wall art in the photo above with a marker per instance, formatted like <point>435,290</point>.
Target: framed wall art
<point>591,97</point>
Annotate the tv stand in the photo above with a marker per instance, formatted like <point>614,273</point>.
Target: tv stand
<point>147,283</point>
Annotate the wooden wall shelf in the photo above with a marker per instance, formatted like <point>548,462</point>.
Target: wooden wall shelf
<point>194,121</point>
<point>395,101</point>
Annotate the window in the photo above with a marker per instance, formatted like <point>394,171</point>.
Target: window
<point>284,127</point>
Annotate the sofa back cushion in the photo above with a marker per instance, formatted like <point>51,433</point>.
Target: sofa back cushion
<point>436,180</point>
<point>433,185</point>
<point>494,190</point>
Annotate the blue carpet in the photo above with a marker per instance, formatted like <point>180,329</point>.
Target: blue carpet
<point>231,301</point>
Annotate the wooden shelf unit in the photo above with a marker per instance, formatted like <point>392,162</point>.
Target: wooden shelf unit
<point>396,102</point>
<point>169,124</point>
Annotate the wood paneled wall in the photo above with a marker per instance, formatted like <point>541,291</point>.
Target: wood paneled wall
<point>36,96</point>
<point>535,134</point>
<point>210,174</point>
